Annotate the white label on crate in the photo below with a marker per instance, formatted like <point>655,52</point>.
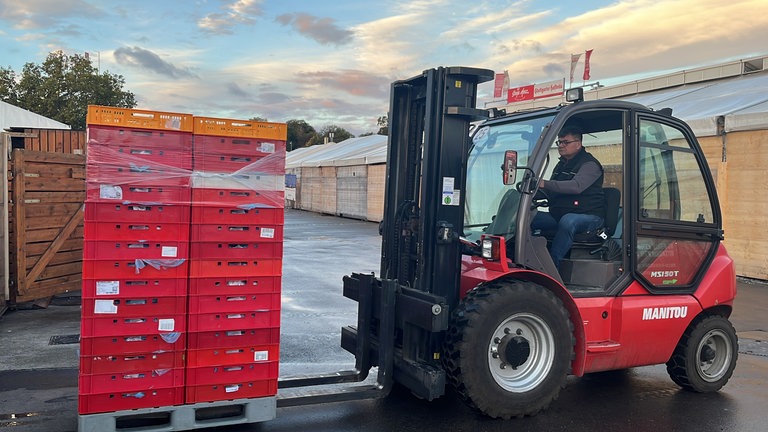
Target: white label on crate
<point>104,307</point>
<point>167,324</point>
<point>232,388</point>
<point>110,192</point>
<point>267,147</point>
<point>169,251</point>
<point>261,356</point>
<point>268,233</point>
<point>107,287</point>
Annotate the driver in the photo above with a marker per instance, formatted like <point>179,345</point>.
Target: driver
<point>574,192</point>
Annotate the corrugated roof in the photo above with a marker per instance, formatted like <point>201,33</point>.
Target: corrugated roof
<point>12,116</point>
<point>367,150</point>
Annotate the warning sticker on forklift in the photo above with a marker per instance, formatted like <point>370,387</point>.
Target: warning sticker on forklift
<point>450,195</point>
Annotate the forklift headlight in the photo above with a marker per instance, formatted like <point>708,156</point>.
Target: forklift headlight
<point>491,246</point>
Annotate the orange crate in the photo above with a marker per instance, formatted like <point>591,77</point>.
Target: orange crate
<point>233,303</point>
<point>246,372</point>
<point>204,322</point>
<point>242,249</point>
<point>232,356</point>
<point>112,345</point>
<point>118,401</point>
<point>140,119</point>
<point>133,362</point>
<point>219,392</point>
<point>233,338</point>
<point>224,284</point>
<point>133,306</point>
<point>235,267</point>
<point>239,128</point>
<point>100,326</point>
<point>124,288</point>
<point>235,215</point>
<point>130,381</point>
<point>119,136</point>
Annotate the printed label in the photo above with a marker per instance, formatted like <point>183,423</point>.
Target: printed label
<point>107,287</point>
<point>169,251</point>
<point>104,307</point>
<point>167,324</point>
<point>268,233</point>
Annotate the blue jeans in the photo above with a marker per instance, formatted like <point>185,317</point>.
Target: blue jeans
<point>564,230</point>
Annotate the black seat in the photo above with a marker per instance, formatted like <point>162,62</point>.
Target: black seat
<point>601,240</point>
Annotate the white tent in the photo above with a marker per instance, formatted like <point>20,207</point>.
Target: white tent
<point>14,117</point>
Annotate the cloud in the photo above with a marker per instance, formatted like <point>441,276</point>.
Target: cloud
<point>235,13</point>
<point>322,30</point>
<point>354,82</point>
<point>43,14</point>
<point>148,60</point>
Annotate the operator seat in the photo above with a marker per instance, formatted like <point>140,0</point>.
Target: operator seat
<point>601,240</point>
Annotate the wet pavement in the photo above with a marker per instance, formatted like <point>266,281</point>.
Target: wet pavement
<point>38,375</point>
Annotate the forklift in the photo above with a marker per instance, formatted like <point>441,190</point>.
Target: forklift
<point>468,295</point>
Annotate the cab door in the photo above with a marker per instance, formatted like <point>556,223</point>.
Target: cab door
<point>676,217</point>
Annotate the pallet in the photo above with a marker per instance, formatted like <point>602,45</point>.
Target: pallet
<point>181,417</point>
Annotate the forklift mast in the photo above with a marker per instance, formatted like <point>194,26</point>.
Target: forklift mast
<point>429,121</point>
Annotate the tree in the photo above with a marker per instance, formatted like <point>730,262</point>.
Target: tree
<point>63,87</point>
<point>383,124</point>
<point>299,134</point>
<point>334,133</point>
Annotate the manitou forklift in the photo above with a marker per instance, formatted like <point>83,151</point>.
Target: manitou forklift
<point>468,295</point>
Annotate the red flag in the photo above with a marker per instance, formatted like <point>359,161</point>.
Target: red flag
<point>587,55</point>
<point>498,85</point>
<point>574,60</point>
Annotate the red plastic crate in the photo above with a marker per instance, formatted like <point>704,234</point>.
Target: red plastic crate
<point>119,401</point>
<point>139,154</point>
<point>231,163</point>
<point>232,356</point>
<point>133,362</point>
<point>235,267</point>
<point>130,213</point>
<point>237,145</point>
<point>130,381</point>
<point>127,193</point>
<point>121,249</point>
<point>129,136</point>
<point>102,288</point>
<point>136,232</point>
<point>240,390</point>
<point>245,302</point>
<point>133,306</point>
<point>233,338</point>
<point>238,197</point>
<point>241,181</point>
<point>100,326</point>
<point>147,176</point>
<point>111,345</point>
<point>245,250</point>
<point>204,322</point>
<point>208,375</point>
<point>135,269</point>
<point>223,285</point>
<point>236,233</point>
<point>236,215</point>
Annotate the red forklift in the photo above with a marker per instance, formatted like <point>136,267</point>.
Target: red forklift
<point>468,295</point>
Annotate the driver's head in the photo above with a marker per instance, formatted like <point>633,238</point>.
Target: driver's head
<point>569,141</point>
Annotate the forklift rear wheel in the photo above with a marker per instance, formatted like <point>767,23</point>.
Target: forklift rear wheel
<point>706,355</point>
<point>509,348</point>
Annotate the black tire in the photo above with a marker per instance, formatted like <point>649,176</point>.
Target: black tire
<point>706,355</point>
<point>509,348</point>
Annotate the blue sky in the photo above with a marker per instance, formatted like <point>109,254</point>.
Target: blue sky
<point>331,62</point>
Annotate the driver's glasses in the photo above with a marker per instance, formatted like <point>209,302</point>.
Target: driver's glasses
<point>563,143</point>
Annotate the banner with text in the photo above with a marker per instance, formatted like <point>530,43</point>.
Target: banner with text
<point>536,91</point>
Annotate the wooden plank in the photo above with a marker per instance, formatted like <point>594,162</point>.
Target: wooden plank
<point>47,222</point>
<point>36,156</point>
<point>53,184</point>
<point>61,257</point>
<point>52,287</point>
<point>46,235</point>
<point>72,244</point>
<point>51,209</point>
<point>19,229</point>
<point>51,197</point>
<point>55,271</point>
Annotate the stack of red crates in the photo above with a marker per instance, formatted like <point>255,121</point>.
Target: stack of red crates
<point>235,259</point>
<point>135,260</point>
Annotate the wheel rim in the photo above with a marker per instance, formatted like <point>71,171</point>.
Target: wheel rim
<point>521,352</point>
<point>713,355</point>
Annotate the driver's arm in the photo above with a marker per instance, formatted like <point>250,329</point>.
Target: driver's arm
<point>587,174</point>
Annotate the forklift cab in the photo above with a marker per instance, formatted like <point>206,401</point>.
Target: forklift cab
<point>657,195</point>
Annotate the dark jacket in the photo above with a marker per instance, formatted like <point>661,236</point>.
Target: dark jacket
<point>590,201</point>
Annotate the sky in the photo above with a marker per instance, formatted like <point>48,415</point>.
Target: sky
<point>332,62</point>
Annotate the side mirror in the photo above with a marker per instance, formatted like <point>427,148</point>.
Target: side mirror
<point>509,168</point>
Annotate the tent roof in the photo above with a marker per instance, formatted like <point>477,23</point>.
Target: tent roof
<point>367,150</point>
<point>14,117</point>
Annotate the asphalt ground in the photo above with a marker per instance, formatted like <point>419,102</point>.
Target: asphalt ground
<point>39,352</point>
